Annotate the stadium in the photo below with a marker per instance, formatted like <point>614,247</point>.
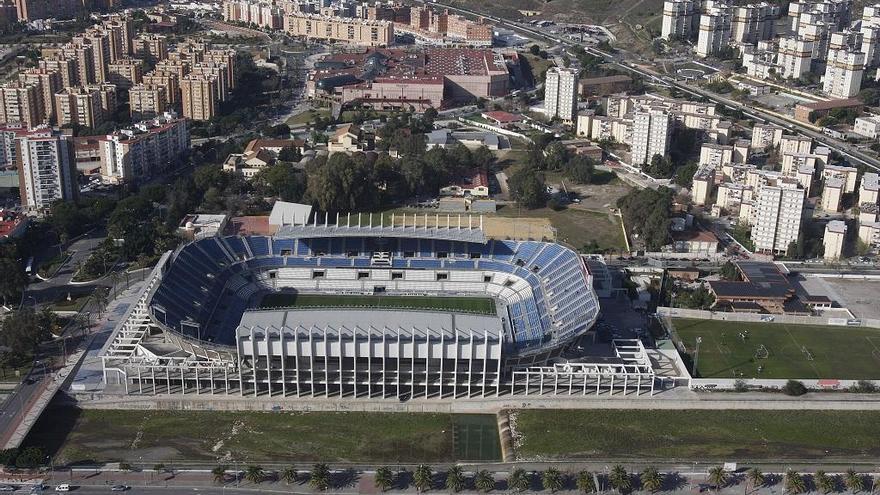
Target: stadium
<point>422,307</point>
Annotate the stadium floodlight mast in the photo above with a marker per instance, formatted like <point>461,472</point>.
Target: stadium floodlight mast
<point>696,355</point>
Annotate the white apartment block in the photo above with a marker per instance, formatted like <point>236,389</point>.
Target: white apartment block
<point>794,57</point>
<point>703,180</point>
<point>849,176</point>
<point>777,213</point>
<point>680,19</point>
<point>843,73</point>
<point>795,144</point>
<point>714,32</point>
<point>47,168</point>
<point>869,189</point>
<point>835,235</point>
<point>766,135</point>
<point>754,22</point>
<point>715,155</point>
<point>652,128</point>
<point>832,194</point>
<point>561,93</point>
<point>868,126</point>
<point>145,149</point>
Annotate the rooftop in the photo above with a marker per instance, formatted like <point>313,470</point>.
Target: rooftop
<point>831,104</point>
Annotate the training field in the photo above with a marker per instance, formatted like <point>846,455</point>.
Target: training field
<point>479,305</point>
<point>83,436</point>
<point>734,350</point>
<point>700,435</point>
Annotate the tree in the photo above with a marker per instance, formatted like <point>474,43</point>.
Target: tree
<point>551,479</point>
<point>853,481</point>
<point>320,478</point>
<point>455,479</point>
<point>290,154</point>
<point>659,167</point>
<point>289,475</point>
<point>484,481</point>
<point>30,458</point>
<point>13,281</point>
<point>580,169</point>
<point>384,478</point>
<point>824,482</point>
<point>794,482</point>
<point>729,271</point>
<point>527,188</point>
<point>684,176</point>
<point>794,388</point>
<point>101,298</point>
<point>423,478</point>
<point>586,482</point>
<point>718,476</point>
<point>651,478</point>
<point>620,479</point>
<point>755,477</point>
<point>23,330</point>
<point>254,474</point>
<point>518,480</point>
<point>219,473</point>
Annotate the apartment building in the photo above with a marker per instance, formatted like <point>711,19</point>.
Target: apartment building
<point>199,96</point>
<point>777,213</point>
<point>147,101</point>
<point>152,47</point>
<point>46,168</point>
<point>681,19</point>
<point>754,22</point>
<point>126,72</point>
<point>835,237</point>
<point>168,80</point>
<point>354,31</point>
<point>703,182</point>
<point>49,82</point>
<point>561,93</point>
<point>65,67</point>
<point>652,128</point>
<point>843,73</point>
<point>766,135</point>
<point>832,194</point>
<point>869,189</point>
<point>79,106</point>
<point>20,103</point>
<point>715,155</point>
<point>220,72</point>
<point>795,144</point>
<point>714,32</point>
<point>794,57</point>
<point>145,149</point>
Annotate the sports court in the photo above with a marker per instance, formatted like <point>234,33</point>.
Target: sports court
<point>777,350</point>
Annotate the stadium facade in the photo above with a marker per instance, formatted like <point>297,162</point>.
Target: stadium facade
<point>197,326</point>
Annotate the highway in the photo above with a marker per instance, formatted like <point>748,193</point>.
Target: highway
<point>842,147</point>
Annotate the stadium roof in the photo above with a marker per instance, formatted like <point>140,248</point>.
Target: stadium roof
<point>284,213</point>
<point>446,227</point>
<point>375,318</point>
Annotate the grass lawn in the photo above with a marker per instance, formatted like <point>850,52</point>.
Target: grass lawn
<point>538,65</point>
<point>75,304</point>
<point>576,227</point>
<point>309,116</point>
<point>727,435</point>
<point>837,352</point>
<point>480,305</point>
<point>8,375</point>
<point>81,435</point>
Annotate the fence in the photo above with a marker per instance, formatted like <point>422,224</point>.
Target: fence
<point>765,318</point>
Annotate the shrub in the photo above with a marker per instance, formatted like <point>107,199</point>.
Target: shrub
<point>794,388</point>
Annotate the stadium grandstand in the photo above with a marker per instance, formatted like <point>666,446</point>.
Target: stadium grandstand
<point>202,326</point>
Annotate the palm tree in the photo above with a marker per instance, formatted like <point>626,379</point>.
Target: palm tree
<point>755,477</point>
<point>718,476</point>
<point>853,481</point>
<point>518,480</point>
<point>101,299</point>
<point>320,478</point>
<point>875,483</point>
<point>794,482</point>
<point>289,475</point>
<point>114,279</point>
<point>620,479</point>
<point>652,480</point>
<point>384,478</point>
<point>484,481</point>
<point>552,480</point>
<point>254,474</point>
<point>455,479</point>
<point>423,478</point>
<point>586,482</point>
<point>823,482</point>
<point>219,473</point>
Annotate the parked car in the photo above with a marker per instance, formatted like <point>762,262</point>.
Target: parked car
<point>7,488</point>
<point>62,488</point>
<point>119,488</point>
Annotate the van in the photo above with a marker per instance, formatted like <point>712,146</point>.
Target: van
<point>62,488</point>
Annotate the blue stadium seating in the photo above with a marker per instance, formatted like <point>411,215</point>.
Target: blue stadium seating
<point>202,284</point>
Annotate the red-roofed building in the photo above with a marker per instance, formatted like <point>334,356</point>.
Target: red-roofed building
<point>502,118</point>
<point>695,241</point>
<point>474,185</point>
<point>12,225</point>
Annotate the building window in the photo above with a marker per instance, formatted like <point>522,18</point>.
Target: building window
<point>442,276</point>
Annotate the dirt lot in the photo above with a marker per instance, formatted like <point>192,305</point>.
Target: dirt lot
<point>518,228</point>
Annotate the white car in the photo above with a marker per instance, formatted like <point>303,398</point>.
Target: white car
<point>62,488</point>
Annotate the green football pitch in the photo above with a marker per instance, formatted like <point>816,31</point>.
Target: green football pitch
<point>478,305</point>
<point>777,350</point>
